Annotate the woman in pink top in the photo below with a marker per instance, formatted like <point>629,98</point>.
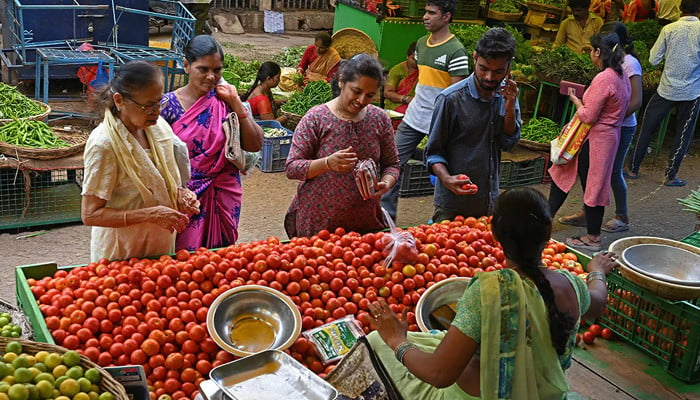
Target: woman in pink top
<point>603,106</point>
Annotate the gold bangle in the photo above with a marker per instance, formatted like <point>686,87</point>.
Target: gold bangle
<point>124,215</point>
<point>328,167</point>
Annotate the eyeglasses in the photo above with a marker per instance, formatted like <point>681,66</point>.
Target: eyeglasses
<point>149,108</point>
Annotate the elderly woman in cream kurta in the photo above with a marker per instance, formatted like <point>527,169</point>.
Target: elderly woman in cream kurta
<point>132,190</point>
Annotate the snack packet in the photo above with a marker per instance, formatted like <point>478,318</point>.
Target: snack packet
<point>399,245</point>
<point>334,339</point>
<point>366,177</point>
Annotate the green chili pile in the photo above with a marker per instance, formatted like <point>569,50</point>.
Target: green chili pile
<point>14,104</point>
<point>290,57</point>
<point>540,130</point>
<point>314,93</point>
<point>30,134</point>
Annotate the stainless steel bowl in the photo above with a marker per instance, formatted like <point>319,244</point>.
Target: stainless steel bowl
<point>664,262</point>
<point>659,287</point>
<point>249,319</point>
<point>445,292</point>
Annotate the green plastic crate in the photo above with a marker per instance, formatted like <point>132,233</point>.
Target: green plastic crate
<point>411,8</point>
<point>36,198</point>
<point>667,330</point>
<point>467,9</point>
<point>415,180</point>
<point>692,239</point>
<point>521,173</point>
<point>26,301</point>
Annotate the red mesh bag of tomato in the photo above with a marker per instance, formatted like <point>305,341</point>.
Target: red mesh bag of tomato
<point>399,245</point>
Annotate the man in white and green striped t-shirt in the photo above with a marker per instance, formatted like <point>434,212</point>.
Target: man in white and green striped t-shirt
<point>442,61</point>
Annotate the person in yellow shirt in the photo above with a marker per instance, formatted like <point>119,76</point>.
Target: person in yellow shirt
<point>576,30</point>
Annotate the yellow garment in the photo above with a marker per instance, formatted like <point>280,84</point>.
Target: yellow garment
<point>527,359</point>
<point>536,374</point>
<point>323,65</point>
<point>575,36</point>
<point>154,189</point>
<point>129,177</point>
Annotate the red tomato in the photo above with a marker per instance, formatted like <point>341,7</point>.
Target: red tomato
<point>595,329</point>
<point>588,337</point>
<point>606,333</point>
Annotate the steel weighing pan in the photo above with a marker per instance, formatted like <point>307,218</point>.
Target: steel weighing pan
<point>663,262</point>
<point>270,375</point>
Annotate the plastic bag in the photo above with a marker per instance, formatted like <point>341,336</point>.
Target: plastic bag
<point>566,146</point>
<point>366,178</point>
<point>334,339</point>
<point>251,160</point>
<point>400,245</point>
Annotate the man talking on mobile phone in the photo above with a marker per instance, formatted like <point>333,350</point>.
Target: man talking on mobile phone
<point>474,120</point>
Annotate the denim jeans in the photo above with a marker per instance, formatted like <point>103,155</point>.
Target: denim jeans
<point>655,111</point>
<point>407,140</point>
<point>617,181</point>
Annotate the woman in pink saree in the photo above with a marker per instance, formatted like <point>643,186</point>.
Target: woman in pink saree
<point>196,113</point>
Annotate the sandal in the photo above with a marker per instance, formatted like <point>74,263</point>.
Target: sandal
<point>676,182</point>
<point>575,219</point>
<point>578,243</point>
<point>615,225</point>
<point>629,174</point>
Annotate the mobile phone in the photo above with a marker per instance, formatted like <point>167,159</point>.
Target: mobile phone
<point>565,85</point>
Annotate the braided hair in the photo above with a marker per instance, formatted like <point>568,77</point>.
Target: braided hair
<point>268,69</point>
<point>522,223</point>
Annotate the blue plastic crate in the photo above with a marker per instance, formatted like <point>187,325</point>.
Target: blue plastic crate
<point>275,150</point>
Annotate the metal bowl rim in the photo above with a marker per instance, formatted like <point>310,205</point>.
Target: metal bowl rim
<point>671,280</point>
<point>244,288</point>
<point>430,290</point>
<point>643,276</point>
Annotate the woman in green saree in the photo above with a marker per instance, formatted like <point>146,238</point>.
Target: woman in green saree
<point>515,328</point>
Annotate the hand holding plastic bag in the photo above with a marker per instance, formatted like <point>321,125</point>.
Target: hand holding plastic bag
<point>366,178</point>
<point>400,245</point>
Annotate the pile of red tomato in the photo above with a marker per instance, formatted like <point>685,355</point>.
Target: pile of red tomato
<point>152,312</point>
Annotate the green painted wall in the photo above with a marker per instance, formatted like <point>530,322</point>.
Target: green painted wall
<point>391,36</point>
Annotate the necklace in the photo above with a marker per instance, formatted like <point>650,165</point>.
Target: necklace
<point>342,113</point>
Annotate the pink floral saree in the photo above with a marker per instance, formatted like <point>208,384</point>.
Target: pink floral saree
<point>214,179</point>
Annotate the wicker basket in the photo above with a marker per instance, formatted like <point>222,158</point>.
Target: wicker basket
<point>107,383</point>
<point>507,17</point>
<point>529,144</point>
<point>544,7</point>
<point>19,319</point>
<point>76,139</point>
<point>47,111</point>
<point>666,290</point>
<point>350,41</point>
<point>292,120</point>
